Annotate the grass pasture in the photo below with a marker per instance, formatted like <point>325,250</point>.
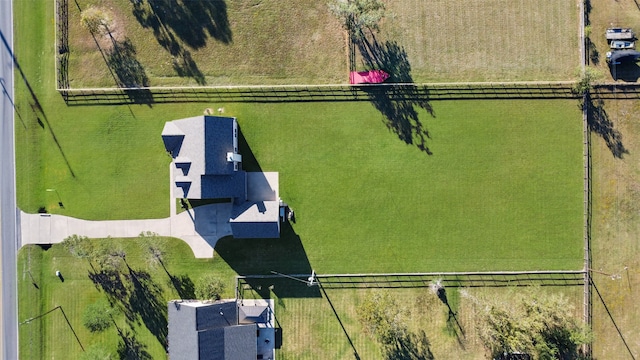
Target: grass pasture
<point>616,224</point>
<point>498,40</point>
<point>308,323</point>
<point>502,172</point>
<point>274,42</point>
<point>211,43</point>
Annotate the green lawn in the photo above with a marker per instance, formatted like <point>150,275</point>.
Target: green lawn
<point>364,199</point>
<point>502,190</point>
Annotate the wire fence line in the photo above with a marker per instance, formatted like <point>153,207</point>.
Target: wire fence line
<point>62,43</point>
<point>424,280</point>
<point>316,93</point>
<point>616,91</point>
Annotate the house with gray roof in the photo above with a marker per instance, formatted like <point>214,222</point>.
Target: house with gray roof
<point>221,330</point>
<point>207,165</point>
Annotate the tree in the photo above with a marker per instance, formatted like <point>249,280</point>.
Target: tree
<point>97,316</point>
<point>155,248</point>
<point>96,20</point>
<point>383,319</point>
<point>358,15</point>
<point>209,287</point>
<point>79,246</point>
<point>109,256</point>
<point>584,86</point>
<point>533,322</point>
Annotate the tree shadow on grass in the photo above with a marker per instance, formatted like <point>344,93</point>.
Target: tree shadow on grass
<point>111,283</point>
<point>140,298</point>
<point>285,255</point>
<point>188,22</point>
<point>183,285</point>
<point>412,346</point>
<point>397,103</point>
<point>129,348</point>
<point>147,303</point>
<point>122,60</point>
<point>600,124</point>
<point>191,21</point>
<point>129,72</point>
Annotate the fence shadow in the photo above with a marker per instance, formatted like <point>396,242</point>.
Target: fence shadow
<point>324,93</point>
<point>600,124</point>
<point>397,104</point>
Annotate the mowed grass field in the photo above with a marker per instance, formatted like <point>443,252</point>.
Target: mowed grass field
<point>616,224</point>
<point>214,43</point>
<point>478,40</point>
<point>502,190</point>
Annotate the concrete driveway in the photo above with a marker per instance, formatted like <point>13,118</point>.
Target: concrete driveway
<point>200,227</point>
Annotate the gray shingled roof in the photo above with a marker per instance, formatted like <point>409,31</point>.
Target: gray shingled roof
<point>182,336</point>
<point>225,186</point>
<point>218,141</point>
<point>209,331</point>
<point>199,146</point>
<point>260,219</point>
<point>624,56</point>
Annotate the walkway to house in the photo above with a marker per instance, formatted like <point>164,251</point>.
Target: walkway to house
<point>200,228</point>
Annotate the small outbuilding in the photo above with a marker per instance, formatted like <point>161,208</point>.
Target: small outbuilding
<point>620,34</point>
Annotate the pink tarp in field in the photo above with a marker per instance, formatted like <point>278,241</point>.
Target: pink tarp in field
<point>368,77</point>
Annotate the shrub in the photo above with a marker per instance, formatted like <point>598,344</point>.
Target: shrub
<point>97,316</point>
